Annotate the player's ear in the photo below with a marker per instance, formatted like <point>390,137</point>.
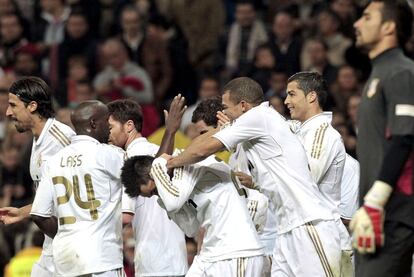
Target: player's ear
<point>32,106</point>
<point>312,96</point>
<point>129,126</point>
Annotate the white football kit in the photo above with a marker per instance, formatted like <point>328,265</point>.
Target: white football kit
<point>82,184</point>
<point>204,195</point>
<point>326,156</point>
<point>160,248</point>
<point>349,188</point>
<point>54,136</point>
<point>281,168</point>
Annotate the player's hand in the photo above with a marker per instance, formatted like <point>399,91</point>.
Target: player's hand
<point>173,117</point>
<point>222,119</point>
<point>10,215</point>
<point>367,224</point>
<point>245,179</point>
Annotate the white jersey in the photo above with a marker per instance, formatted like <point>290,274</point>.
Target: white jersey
<point>326,155</point>
<point>160,248</point>
<point>267,235</point>
<point>82,183</point>
<point>280,166</point>
<point>349,188</point>
<point>204,195</point>
<point>54,136</point>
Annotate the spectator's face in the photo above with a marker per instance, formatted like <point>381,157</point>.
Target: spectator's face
<point>265,58</point>
<point>245,14</point>
<point>78,71</point>
<point>115,55</point>
<point>20,114</point>
<point>4,102</point>
<point>347,79</point>
<point>77,26</point>
<point>130,22</point>
<point>10,28</point>
<point>231,109</point>
<point>326,24</point>
<point>296,102</point>
<point>317,53</point>
<point>25,64</point>
<point>117,133</point>
<point>369,28</point>
<point>208,88</point>
<point>343,8</point>
<point>283,26</point>
<point>154,31</point>
<point>277,104</point>
<point>84,92</point>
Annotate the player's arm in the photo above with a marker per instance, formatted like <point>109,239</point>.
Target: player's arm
<point>200,148</point>
<point>48,225</point>
<point>172,124</point>
<point>174,191</point>
<point>10,215</point>
<point>186,219</point>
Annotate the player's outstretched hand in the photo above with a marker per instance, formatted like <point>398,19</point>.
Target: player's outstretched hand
<point>10,215</point>
<point>174,116</point>
<point>222,119</point>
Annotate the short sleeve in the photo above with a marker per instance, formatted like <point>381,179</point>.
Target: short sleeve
<point>43,204</point>
<point>399,96</point>
<point>128,203</point>
<point>247,127</point>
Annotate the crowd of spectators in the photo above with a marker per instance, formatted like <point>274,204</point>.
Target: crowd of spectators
<point>150,50</point>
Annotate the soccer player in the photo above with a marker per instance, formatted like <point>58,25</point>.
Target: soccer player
<point>306,95</point>
<point>206,118</point>
<point>30,108</point>
<point>385,142</point>
<point>82,184</point>
<point>202,195</point>
<point>307,241</point>
<point>159,243</point>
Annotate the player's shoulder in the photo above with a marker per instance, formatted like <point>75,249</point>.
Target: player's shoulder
<point>142,147</point>
<point>111,149</point>
<point>60,133</point>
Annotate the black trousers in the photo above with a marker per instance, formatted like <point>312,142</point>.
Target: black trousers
<point>394,259</point>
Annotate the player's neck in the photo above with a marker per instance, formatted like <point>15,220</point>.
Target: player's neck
<point>38,125</point>
<point>131,137</point>
<point>382,47</point>
<point>311,113</point>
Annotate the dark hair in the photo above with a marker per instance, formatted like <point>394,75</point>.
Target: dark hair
<point>244,89</point>
<point>207,111</point>
<point>401,13</point>
<point>30,89</point>
<point>311,81</point>
<point>136,172</point>
<point>125,109</point>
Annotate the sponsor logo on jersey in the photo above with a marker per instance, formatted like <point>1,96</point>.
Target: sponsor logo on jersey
<point>372,88</point>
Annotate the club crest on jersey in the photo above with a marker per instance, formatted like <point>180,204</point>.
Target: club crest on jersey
<point>372,88</point>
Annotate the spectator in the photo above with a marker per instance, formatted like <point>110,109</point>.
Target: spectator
<point>27,61</point>
<point>209,87</point>
<point>122,77</point>
<point>78,41</point>
<point>285,44</point>
<point>12,38</point>
<point>345,86</point>
<point>352,109</point>
<point>347,12</point>
<point>201,22</point>
<point>183,77</point>
<point>132,32</point>
<point>263,64</point>
<point>277,84</point>
<point>239,44</point>
<point>328,30</point>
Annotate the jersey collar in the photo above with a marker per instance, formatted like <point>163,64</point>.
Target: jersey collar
<point>315,121</point>
<point>135,141</point>
<point>45,129</point>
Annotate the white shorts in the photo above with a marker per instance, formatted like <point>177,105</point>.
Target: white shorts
<point>238,267</point>
<point>44,267</point>
<point>313,249</point>
<point>119,272</point>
